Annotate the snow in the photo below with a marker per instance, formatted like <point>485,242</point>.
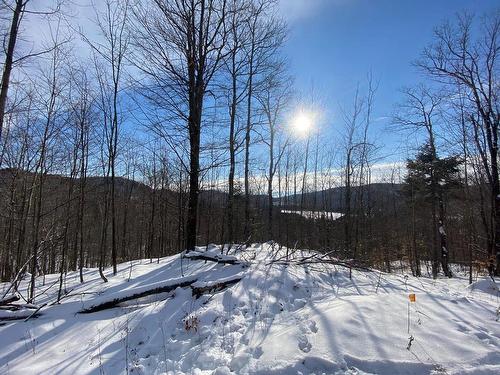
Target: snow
<point>486,285</point>
<point>328,215</point>
<point>278,319</point>
<point>18,314</point>
<point>208,284</point>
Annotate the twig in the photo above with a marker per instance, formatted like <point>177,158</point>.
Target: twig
<point>34,312</point>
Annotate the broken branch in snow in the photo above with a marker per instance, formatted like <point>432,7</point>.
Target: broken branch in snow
<point>348,264</point>
<point>313,260</point>
<point>35,313</point>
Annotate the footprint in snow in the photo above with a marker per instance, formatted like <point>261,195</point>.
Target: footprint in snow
<point>463,328</point>
<point>257,353</point>
<point>309,326</point>
<point>312,326</point>
<point>482,336</point>
<point>304,344</point>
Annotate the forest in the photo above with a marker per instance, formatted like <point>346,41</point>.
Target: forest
<point>176,124</point>
<point>250,187</point>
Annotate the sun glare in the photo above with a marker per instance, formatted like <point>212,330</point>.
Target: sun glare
<point>302,123</point>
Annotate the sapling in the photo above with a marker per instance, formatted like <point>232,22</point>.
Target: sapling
<point>31,341</point>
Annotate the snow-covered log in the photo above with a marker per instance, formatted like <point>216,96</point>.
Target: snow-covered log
<point>212,257</point>
<point>9,299</point>
<point>16,312</point>
<point>202,287</point>
<point>15,315</point>
<point>198,288</point>
<point>108,302</point>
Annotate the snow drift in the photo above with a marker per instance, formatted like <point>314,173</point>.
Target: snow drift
<point>255,315</point>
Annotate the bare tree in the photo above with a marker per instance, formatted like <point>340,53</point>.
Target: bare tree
<point>111,23</point>
<point>273,97</point>
<point>182,45</point>
<point>266,36</point>
<point>350,144</point>
<point>455,58</point>
<point>51,106</point>
<point>236,65</point>
<point>18,10</point>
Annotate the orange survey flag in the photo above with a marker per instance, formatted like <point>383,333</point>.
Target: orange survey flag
<point>412,297</point>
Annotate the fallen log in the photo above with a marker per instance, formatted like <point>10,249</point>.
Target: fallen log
<point>139,293</point>
<point>18,314</point>
<point>200,288</point>
<point>9,300</point>
<point>9,307</point>
<point>224,259</point>
<point>17,317</point>
<point>15,307</point>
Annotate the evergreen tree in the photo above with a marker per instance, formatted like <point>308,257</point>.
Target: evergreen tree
<point>429,179</point>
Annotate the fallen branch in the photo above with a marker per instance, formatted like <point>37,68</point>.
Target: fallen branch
<point>347,264</point>
<point>308,260</point>
<point>9,308</point>
<point>35,313</point>
<point>14,317</point>
<point>21,272</point>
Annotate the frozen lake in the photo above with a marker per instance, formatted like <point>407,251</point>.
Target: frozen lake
<point>328,215</point>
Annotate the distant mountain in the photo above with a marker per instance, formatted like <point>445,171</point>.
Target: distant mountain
<point>376,195</point>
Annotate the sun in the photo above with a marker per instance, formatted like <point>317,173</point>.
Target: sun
<point>302,123</point>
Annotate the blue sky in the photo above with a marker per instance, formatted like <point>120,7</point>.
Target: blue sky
<point>333,44</point>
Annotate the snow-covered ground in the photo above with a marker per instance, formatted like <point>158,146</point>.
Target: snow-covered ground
<point>279,319</point>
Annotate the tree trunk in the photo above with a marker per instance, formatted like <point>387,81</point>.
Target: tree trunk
<point>196,104</point>
<point>248,129</point>
<point>9,57</point>
<point>232,155</point>
<point>270,183</point>
<point>442,238</point>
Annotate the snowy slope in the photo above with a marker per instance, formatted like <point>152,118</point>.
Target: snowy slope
<point>279,319</point>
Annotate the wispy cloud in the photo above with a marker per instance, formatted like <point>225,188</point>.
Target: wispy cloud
<point>325,179</point>
<point>294,10</point>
